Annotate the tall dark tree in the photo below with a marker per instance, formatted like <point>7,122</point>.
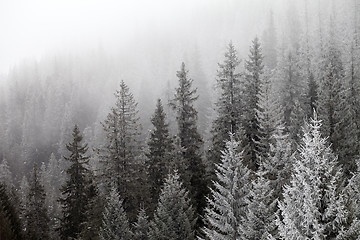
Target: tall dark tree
<point>174,215</point>
<point>254,72</point>
<point>160,149</point>
<point>9,218</point>
<point>121,152</point>
<point>228,106</point>
<point>37,219</point>
<point>190,139</point>
<point>75,198</point>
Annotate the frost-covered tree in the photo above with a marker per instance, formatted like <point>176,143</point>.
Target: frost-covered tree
<point>142,226</point>
<point>53,177</point>
<point>115,224</point>
<point>253,75</point>
<point>121,152</point>
<point>292,93</point>
<point>228,105</point>
<point>314,206</point>
<point>279,161</point>
<point>269,116</point>
<point>74,200</point>
<point>37,220</point>
<point>227,204</point>
<point>190,139</point>
<point>174,216</point>
<point>259,219</point>
<point>160,148</point>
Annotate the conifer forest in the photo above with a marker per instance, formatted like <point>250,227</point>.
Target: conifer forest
<point>180,120</point>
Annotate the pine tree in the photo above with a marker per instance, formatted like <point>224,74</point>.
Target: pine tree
<point>292,92</point>
<point>174,216</point>
<point>259,220</point>
<point>75,190</point>
<point>331,104</point>
<point>254,73</point>
<point>94,209</point>
<point>9,216</point>
<point>227,204</point>
<point>228,106</point>
<point>269,116</point>
<point>37,220</point>
<point>115,223</point>
<point>142,226</point>
<point>160,148</point>
<point>314,205</point>
<point>190,140</point>
<point>122,151</point>
<point>279,161</point>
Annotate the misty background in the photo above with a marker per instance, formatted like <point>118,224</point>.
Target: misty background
<point>61,61</point>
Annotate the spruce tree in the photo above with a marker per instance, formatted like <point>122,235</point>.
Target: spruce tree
<point>190,139</point>
<point>332,106</point>
<point>174,216</point>
<point>314,206</point>
<point>160,149</point>
<point>142,226</point>
<point>259,219</point>
<point>75,198</point>
<point>279,161</point>
<point>292,93</point>
<point>115,224</point>
<point>253,75</point>
<point>37,220</point>
<point>228,105</point>
<point>11,229</point>
<point>269,116</point>
<point>227,204</point>
<point>121,152</point>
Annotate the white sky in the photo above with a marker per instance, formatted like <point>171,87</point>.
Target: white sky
<point>30,28</point>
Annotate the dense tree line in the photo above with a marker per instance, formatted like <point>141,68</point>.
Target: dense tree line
<point>279,161</point>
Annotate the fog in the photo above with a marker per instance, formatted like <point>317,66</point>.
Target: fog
<point>62,60</point>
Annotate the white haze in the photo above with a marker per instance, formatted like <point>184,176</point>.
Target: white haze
<point>31,29</point>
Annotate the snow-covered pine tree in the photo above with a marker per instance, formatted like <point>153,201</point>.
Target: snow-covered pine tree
<point>227,204</point>
<point>269,116</point>
<point>259,220</point>
<point>142,226</point>
<point>332,106</point>
<point>253,75</point>
<point>37,219</point>
<point>52,178</point>
<point>160,148</point>
<point>314,206</point>
<point>74,198</point>
<point>174,216</point>
<point>228,105</point>
<point>279,161</point>
<point>115,224</point>
<point>23,194</point>
<point>292,93</point>
<point>122,149</point>
<point>190,140</point>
